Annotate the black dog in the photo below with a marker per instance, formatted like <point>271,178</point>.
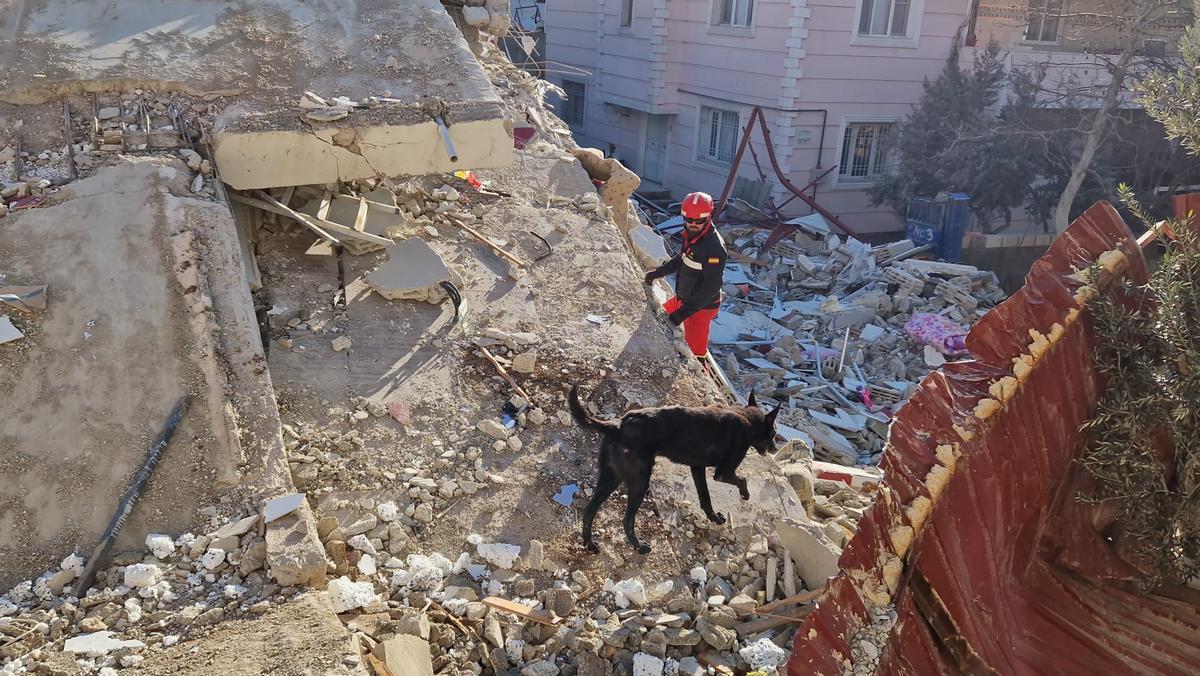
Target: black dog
<point>699,437</point>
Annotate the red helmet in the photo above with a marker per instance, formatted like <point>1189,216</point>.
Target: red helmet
<point>697,205</point>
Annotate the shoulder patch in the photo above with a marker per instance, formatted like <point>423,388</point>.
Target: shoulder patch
<point>714,261</point>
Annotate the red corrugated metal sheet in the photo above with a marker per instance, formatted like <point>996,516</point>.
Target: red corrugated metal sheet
<point>1010,573</point>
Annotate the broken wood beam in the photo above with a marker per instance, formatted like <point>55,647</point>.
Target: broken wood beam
<point>803,597</point>
<point>540,616</point>
<point>770,621</point>
<point>479,236</point>
<point>316,223</point>
<point>504,373</point>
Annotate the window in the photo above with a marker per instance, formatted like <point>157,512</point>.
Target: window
<point>718,135</point>
<point>884,18</point>
<point>626,12</point>
<point>1044,17</point>
<point>733,12</point>
<point>573,105</point>
<point>863,151</point>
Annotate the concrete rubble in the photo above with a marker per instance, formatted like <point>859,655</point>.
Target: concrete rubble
<point>383,477</point>
<point>835,330</point>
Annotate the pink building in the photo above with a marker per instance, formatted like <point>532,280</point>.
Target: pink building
<point>671,83</point>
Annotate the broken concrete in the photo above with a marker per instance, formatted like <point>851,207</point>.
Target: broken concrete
<point>413,271</point>
<point>405,656</point>
<point>814,555</point>
<point>294,554</point>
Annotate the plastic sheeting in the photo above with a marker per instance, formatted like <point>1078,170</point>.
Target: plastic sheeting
<point>1009,573</point>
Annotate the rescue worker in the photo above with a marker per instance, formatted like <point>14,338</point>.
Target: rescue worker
<point>699,268</point>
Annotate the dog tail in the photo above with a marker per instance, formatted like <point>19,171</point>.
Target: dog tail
<point>608,428</point>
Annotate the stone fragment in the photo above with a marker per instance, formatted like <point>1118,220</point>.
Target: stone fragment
<point>524,362</point>
<point>716,636</point>
<point>340,343</point>
<point>98,643</point>
<point>647,665</point>
<point>493,429</point>
<point>814,555</point>
<point>540,668</point>
<point>405,656</point>
<point>294,554</point>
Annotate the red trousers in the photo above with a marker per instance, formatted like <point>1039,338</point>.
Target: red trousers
<point>695,328</point>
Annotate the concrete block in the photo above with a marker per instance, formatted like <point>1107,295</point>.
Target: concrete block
<point>412,272</point>
<point>814,555</point>
<point>405,656</point>
<point>294,554</point>
<point>478,17</point>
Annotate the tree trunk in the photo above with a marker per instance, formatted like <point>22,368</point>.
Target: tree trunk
<point>1079,171</point>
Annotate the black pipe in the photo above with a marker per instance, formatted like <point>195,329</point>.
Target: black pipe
<point>125,507</point>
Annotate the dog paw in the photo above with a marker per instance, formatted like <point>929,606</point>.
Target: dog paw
<point>643,549</point>
<point>744,493</point>
<point>592,547</point>
<point>717,518</point>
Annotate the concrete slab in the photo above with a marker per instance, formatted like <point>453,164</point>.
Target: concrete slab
<point>131,327</point>
<point>412,272</point>
<point>271,52</point>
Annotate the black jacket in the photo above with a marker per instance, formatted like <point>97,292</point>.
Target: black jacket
<point>699,269</point>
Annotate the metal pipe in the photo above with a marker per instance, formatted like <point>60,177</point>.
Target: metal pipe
<point>445,130</point>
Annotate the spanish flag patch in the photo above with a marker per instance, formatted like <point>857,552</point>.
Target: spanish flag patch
<point>714,261</point>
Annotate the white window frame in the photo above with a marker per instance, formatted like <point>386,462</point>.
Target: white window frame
<point>582,103</point>
<point>1057,28</point>
<point>838,180</point>
<point>625,18</point>
<point>704,138</point>
<point>747,14</point>
<point>912,35</point>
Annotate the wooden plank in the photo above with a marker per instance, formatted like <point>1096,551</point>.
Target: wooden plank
<point>323,210</point>
<point>360,218</point>
<point>379,667</point>
<point>266,206</point>
<point>803,597</point>
<point>774,620</point>
<point>540,616</point>
<point>479,236</point>
<point>272,204</point>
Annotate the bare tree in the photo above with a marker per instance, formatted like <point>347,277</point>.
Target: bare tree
<point>1122,26</point>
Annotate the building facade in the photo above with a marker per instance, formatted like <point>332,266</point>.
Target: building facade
<point>667,86</point>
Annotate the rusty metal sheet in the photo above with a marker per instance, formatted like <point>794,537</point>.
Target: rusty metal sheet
<point>1009,573</point>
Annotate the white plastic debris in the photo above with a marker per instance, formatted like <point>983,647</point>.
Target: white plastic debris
<point>346,594</point>
<point>133,610</point>
<point>424,573</point>
<point>499,554</point>
<point>763,655</point>
<point>73,563</point>
<point>142,575</point>
<point>514,648</point>
<point>629,593</point>
<point>213,558</point>
<point>161,546</point>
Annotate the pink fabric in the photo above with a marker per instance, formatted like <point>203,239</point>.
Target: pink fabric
<point>944,335</point>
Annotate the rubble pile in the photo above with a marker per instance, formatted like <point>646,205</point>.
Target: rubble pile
<point>174,591</point>
<point>839,332</point>
<point>136,122</point>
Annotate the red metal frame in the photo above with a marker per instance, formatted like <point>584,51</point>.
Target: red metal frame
<point>757,117</point>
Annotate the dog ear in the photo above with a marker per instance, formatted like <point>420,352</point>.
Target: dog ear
<point>774,414</point>
<point>753,401</point>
